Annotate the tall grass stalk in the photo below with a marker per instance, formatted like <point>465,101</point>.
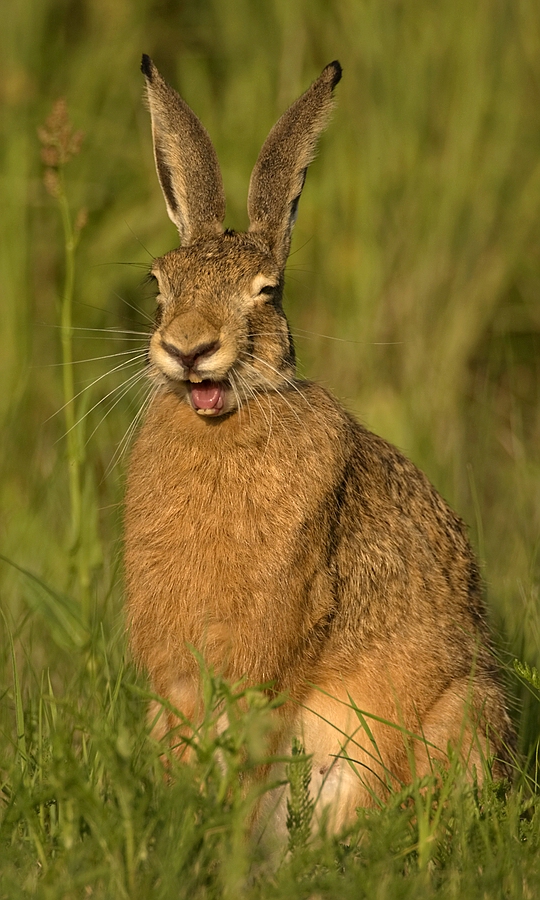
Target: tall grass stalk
<point>76,447</point>
<point>74,429</point>
<point>61,143</point>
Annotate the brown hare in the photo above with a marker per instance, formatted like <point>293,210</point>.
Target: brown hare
<point>270,531</point>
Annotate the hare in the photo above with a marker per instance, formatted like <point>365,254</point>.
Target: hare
<point>268,529</point>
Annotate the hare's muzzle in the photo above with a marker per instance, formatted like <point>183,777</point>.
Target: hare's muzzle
<point>197,355</point>
<point>195,369</point>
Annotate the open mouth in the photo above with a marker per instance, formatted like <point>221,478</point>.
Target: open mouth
<point>208,397</point>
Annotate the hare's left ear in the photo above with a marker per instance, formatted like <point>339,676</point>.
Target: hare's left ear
<point>186,162</point>
<point>280,171</point>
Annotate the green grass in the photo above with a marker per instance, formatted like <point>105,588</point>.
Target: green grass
<point>90,810</point>
<point>413,290</point>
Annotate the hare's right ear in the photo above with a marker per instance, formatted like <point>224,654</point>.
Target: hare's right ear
<point>280,171</point>
<point>186,162</point>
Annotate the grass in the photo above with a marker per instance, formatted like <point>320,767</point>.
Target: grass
<point>413,293</point>
<point>88,811</point>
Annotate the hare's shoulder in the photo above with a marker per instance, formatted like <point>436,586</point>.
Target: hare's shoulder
<point>389,504</point>
<point>380,478</point>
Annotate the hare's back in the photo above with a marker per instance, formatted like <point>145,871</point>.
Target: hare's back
<point>403,563</point>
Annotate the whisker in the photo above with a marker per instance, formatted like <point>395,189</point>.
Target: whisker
<point>301,332</point>
<point>301,247</point>
<point>125,388</point>
<point>137,238</point>
<point>281,394</point>
<point>111,337</point>
<point>250,394</point>
<point>269,422</point>
<point>237,395</point>
<point>275,390</point>
<point>288,381</point>
<point>132,264</point>
<point>116,336</point>
<point>112,312</point>
<point>124,443</point>
<point>108,331</point>
<point>284,398</point>
<point>97,358</point>
<point>116,331</point>
<point>132,379</point>
<point>135,308</point>
<point>123,365</point>
<point>281,375</point>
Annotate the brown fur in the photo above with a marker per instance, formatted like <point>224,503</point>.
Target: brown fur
<point>276,535</point>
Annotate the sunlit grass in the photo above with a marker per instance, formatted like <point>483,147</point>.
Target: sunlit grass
<point>91,808</point>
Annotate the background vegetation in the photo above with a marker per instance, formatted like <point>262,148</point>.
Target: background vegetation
<point>413,291</point>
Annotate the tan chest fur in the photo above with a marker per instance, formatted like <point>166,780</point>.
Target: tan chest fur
<point>223,539</point>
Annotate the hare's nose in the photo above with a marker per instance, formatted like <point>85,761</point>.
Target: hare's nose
<point>190,359</point>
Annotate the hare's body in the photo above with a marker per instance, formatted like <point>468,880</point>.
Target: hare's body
<point>269,531</point>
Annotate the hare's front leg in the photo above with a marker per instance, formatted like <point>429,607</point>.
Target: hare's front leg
<point>178,718</point>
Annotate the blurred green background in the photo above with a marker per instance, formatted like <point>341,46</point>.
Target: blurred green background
<point>413,285</point>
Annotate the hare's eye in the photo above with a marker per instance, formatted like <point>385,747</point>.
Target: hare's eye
<point>152,280</point>
<point>263,287</point>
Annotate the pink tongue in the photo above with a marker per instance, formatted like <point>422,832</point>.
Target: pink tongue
<point>207,395</point>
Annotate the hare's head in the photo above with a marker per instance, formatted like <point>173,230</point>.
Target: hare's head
<point>221,334</point>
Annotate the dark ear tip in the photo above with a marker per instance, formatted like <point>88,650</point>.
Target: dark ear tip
<point>147,66</point>
<point>335,71</point>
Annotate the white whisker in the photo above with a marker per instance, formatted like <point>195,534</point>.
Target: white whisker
<point>269,421</point>
<point>300,332</point>
<point>98,358</point>
<point>131,380</point>
<point>251,394</point>
<point>139,312</point>
<point>281,394</point>
<point>288,381</point>
<point>239,403</point>
<point>276,388</point>
<point>122,365</point>
<point>124,388</point>
<point>108,331</point>
<point>124,443</point>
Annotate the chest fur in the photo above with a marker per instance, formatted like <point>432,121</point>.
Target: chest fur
<point>224,533</point>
